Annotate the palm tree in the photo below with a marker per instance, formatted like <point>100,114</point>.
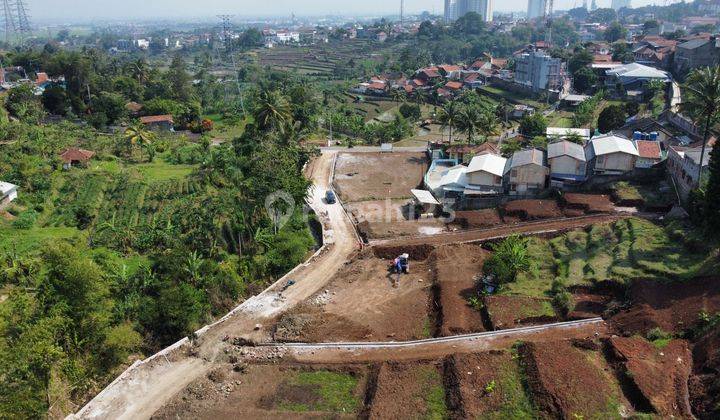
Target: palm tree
<point>448,117</point>
<point>488,122</point>
<point>702,102</point>
<point>137,135</point>
<point>397,95</point>
<point>272,111</point>
<point>421,96</point>
<point>468,121</point>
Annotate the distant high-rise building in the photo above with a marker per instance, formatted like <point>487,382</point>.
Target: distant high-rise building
<point>619,4</point>
<point>536,8</point>
<point>593,5</point>
<point>455,9</point>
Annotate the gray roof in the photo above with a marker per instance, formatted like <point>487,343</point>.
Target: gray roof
<point>638,71</point>
<point>694,155</point>
<point>693,43</point>
<point>566,148</point>
<point>527,157</point>
<point>6,188</point>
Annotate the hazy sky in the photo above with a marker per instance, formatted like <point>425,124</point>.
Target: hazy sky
<point>84,9</point>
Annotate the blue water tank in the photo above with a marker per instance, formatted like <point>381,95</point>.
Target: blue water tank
<point>654,136</point>
<point>637,135</point>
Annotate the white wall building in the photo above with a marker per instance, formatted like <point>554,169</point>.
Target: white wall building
<point>536,9</point>
<point>539,71</point>
<point>455,9</point>
<point>8,193</point>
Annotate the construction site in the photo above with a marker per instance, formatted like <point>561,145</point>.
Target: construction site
<point>393,317</point>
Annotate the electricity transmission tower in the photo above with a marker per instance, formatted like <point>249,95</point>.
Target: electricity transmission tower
<point>16,20</point>
<point>402,12</point>
<point>225,27</point>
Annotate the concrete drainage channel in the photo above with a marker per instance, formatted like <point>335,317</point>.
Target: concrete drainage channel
<point>438,340</point>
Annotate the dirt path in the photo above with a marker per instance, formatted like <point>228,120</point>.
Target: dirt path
<point>439,347</point>
<point>140,392</point>
<point>546,226</point>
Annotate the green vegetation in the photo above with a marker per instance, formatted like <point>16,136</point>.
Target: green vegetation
<point>509,259</point>
<point>516,403</point>
<point>335,392</point>
<point>433,393</point>
<point>659,195</point>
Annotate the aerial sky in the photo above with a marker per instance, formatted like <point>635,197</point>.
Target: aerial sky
<point>108,9</point>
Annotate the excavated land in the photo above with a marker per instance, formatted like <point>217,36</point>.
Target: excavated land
<point>505,312</point>
<point>568,382</point>
<point>658,376</point>
<point>476,219</point>
<point>384,219</point>
<point>672,307</point>
<point>704,385</point>
<point>405,389</point>
<point>378,176</point>
<point>526,210</point>
<point>579,204</point>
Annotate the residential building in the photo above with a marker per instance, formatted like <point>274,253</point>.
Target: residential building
<point>683,165</point>
<point>610,155</point>
<point>562,133</point>
<point>536,9</point>
<point>527,172</point>
<point>649,153</point>
<point>619,4</point>
<point>701,52</point>
<point>455,9</point>
<point>635,76</point>
<point>463,153</point>
<point>485,173</point>
<point>539,71</point>
<point>159,122</point>
<point>568,163</point>
<point>8,193</point>
<point>75,157</point>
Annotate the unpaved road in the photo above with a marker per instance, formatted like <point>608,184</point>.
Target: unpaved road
<point>363,352</point>
<point>141,392</point>
<point>501,231</point>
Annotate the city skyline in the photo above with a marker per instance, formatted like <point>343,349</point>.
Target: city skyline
<point>167,9</point>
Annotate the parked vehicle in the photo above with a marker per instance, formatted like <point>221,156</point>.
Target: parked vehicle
<point>330,197</point>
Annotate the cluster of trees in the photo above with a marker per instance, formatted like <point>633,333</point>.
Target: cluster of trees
<point>471,115</point>
<point>78,308</point>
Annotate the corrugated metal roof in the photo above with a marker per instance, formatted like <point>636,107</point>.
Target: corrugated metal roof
<point>6,187</point>
<point>566,148</point>
<point>527,157</point>
<point>609,144</point>
<point>490,163</point>
<point>564,132</point>
<point>424,197</point>
<point>635,70</point>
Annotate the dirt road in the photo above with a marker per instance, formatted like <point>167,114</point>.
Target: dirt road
<point>363,352</point>
<point>546,226</point>
<point>139,392</point>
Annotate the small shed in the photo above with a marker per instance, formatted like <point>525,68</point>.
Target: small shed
<point>75,157</point>
<point>8,193</point>
<point>424,200</point>
<point>159,122</point>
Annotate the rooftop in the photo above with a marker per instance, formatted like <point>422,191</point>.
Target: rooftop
<point>648,149</point>
<point>75,154</point>
<point>566,148</point>
<point>490,163</point>
<point>527,157</point>
<point>156,118</point>
<point>610,143</point>
<point>6,187</point>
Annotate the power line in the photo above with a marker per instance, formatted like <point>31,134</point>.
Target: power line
<point>16,20</point>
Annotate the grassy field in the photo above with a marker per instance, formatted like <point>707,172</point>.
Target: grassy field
<point>334,392</point>
<point>512,96</point>
<point>23,240</point>
<point>159,170</point>
<point>621,251</point>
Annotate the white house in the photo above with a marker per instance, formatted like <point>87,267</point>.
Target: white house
<point>8,193</point>
<point>684,165</point>
<point>485,173</point>
<point>527,171</point>
<point>611,155</point>
<point>567,161</point>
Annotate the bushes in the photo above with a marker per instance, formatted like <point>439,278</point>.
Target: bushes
<point>510,257</point>
<point>26,220</point>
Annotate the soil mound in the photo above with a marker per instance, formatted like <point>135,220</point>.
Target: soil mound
<point>311,325</point>
<point>564,383</point>
<point>672,307</point>
<point>477,219</point>
<point>523,210</point>
<point>587,203</point>
<point>417,252</point>
<point>705,382</point>
<point>659,374</point>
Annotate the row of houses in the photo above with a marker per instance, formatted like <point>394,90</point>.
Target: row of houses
<point>530,171</point>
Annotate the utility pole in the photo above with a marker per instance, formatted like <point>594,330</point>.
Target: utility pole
<point>402,12</point>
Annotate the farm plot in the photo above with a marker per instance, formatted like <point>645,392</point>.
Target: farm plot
<point>258,391</point>
<point>524,210</point>
<point>78,200</point>
<point>580,204</point>
<point>409,389</point>
<point>378,176</point>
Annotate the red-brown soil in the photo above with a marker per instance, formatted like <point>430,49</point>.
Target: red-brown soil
<point>515,311</point>
<point>402,388</point>
<point>587,203</point>
<point>590,302</point>
<point>456,267</point>
<point>524,210</point>
<point>468,375</point>
<point>563,381</point>
<point>673,307</point>
<point>705,382</point>
<point>377,176</point>
<point>659,374</point>
<point>477,219</point>
<point>253,394</point>
<point>390,219</point>
<point>360,303</point>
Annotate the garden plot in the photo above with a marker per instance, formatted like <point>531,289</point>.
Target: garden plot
<point>525,210</point>
<point>262,391</point>
<point>378,176</point>
<point>580,204</point>
<point>405,390</point>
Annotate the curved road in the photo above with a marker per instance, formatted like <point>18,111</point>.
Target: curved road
<point>140,392</point>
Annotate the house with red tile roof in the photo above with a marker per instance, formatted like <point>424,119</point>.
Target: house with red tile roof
<point>650,153</point>
<point>75,157</point>
<point>159,122</point>
<point>454,85</point>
